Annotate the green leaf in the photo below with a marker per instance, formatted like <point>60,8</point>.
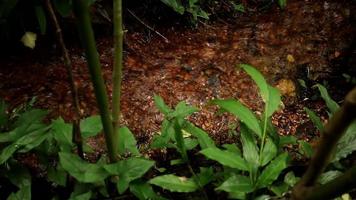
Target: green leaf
<point>306,149</point>
<point>62,133</point>
<point>175,183</point>
<point>57,175</point>
<point>21,178</point>
<point>236,184</point>
<point>84,196</point>
<point>176,5</point>
<point>128,170</point>
<point>182,110</point>
<point>190,143</point>
<point>330,103</point>
<point>282,3</point>
<point>232,148</point>
<point>249,147</point>
<point>272,171</point>
<point>64,7</point>
<point>315,119</point>
<point>242,112</point>
<point>127,142</point>
<point>162,107</point>
<point>280,189</point>
<point>347,143</point>
<point>269,152</point>
<point>81,170</point>
<point>143,191</point>
<point>7,152</point>
<point>329,176</point>
<point>290,179</point>
<point>91,126</point>
<point>167,134</point>
<point>287,139</point>
<point>205,175</point>
<point>24,193</point>
<point>271,96</point>
<point>41,18</point>
<point>225,158</point>
<point>203,138</point>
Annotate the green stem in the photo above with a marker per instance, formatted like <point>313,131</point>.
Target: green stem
<point>88,41</point>
<point>118,65</point>
<point>264,132</point>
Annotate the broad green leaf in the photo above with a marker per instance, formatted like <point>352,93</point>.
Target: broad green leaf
<point>127,142</point>
<point>232,148</point>
<point>41,18</point>
<point>280,189</point>
<point>274,100</point>
<point>226,158</point>
<point>259,80</point>
<point>143,191</point>
<point>24,193</point>
<point>236,184</point>
<point>182,110</point>
<point>330,103</point>
<point>62,133</point>
<point>306,149</point>
<point>81,170</point>
<point>203,138</point>
<point>24,144</point>
<point>178,135</point>
<point>84,196</point>
<point>167,134</point>
<point>176,5</point>
<point>190,143</point>
<point>249,147</point>
<point>315,119</point>
<point>287,139</point>
<point>128,170</point>
<point>290,179</point>
<point>64,7</point>
<point>272,171</point>
<point>329,176</point>
<point>7,152</point>
<point>91,126</point>
<point>237,195</point>
<point>269,152</point>
<point>347,143</point>
<point>271,96</point>
<point>162,107</point>
<point>57,175</point>
<point>242,112</point>
<point>29,39</point>
<point>205,175</point>
<point>175,183</point>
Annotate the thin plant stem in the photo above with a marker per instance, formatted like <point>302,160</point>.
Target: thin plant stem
<point>264,131</point>
<point>77,138</point>
<point>88,41</point>
<point>118,65</point>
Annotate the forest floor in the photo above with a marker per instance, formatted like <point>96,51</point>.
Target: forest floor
<point>308,40</point>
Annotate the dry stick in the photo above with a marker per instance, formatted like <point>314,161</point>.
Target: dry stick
<point>147,26</point>
<point>77,139</point>
<point>333,131</point>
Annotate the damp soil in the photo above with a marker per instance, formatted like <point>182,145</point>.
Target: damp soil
<point>309,40</point>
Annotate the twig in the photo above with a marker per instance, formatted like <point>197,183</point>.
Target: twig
<point>147,26</point>
<point>68,64</point>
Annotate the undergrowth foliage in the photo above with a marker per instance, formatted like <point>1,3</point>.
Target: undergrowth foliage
<point>255,167</point>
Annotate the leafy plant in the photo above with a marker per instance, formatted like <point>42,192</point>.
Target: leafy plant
<point>347,144</point>
<point>192,7</point>
<point>262,159</point>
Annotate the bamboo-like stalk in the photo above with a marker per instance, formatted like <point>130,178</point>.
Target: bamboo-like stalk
<point>333,131</point>
<point>118,65</point>
<point>77,138</point>
<point>88,41</point>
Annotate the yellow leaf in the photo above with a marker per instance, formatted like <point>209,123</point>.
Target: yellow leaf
<point>290,58</point>
<point>29,39</point>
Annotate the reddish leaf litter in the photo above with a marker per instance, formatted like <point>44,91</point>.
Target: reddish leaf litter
<point>198,65</point>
